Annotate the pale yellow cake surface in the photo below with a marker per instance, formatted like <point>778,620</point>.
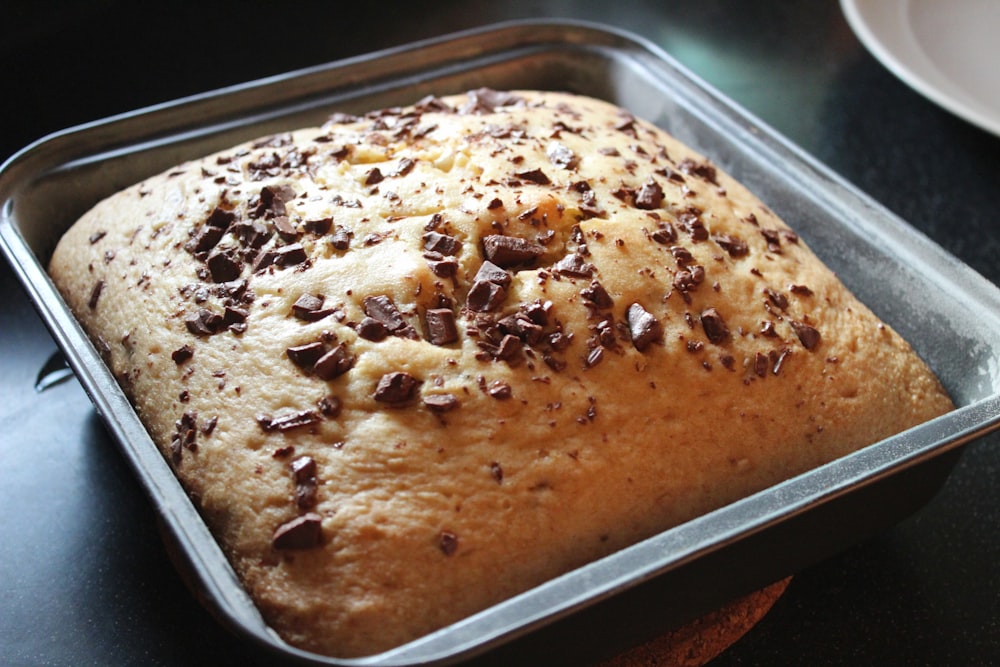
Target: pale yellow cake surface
<point>652,344</point>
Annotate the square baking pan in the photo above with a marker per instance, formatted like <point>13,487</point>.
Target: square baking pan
<point>950,315</point>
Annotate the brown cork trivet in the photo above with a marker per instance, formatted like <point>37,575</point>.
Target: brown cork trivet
<point>703,639</point>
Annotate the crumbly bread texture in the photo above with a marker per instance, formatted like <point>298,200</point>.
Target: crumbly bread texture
<point>413,363</point>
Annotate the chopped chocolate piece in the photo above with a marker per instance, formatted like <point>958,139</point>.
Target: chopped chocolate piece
<point>497,472</point>
<point>285,228</point>
<point>207,239</point>
<point>304,356</point>
<point>224,266</point>
<point>595,356</point>
<point>574,265</point>
<point>441,328</point>
<point>374,176</point>
<point>441,266</point>
<point>302,532</point>
<point>371,329</point>
<point>396,388</point>
<point>341,239</point>
<point>597,295</point>
<point>485,296</point>
<point>702,170</point>
<point>681,255</point>
<point>486,100</point>
<point>290,255</point>
<point>304,473</point>
<point>562,156</point>
<point>767,329</point>
<point>808,335</point>
<point>95,294</point>
<point>801,290</point>
<point>760,364</point>
<point>442,243</point>
<point>773,239</point>
<point>650,196</point>
<point>220,218</point>
<point>509,348</point>
<point>736,247</point>
<point>441,402</point>
<point>97,236</point>
<point>382,309</point>
<point>448,542</point>
<point>404,166</point>
<point>309,307</point>
<point>490,272</point>
<point>664,233</point>
<point>288,421</point>
<point>499,390</point>
<point>777,298</point>
<point>319,226</point>
<point>507,251</point>
<point>329,406</point>
<point>534,176</point>
<point>204,323</point>
<point>334,363</point>
<point>182,354</point>
<point>714,326</point>
<point>643,327</point>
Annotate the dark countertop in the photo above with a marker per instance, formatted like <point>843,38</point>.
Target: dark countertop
<point>84,578</point>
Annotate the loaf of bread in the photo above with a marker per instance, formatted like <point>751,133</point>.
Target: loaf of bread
<point>410,364</point>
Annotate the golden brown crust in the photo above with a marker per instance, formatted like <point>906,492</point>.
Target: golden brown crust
<point>388,432</point>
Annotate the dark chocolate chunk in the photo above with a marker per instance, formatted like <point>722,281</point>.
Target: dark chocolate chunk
<point>224,266</point>
<point>285,228</point>
<point>302,532</point>
<point>382,309</point>
<point>597,295</point>
<point>499,389</point>
<point>595,356</point>
<point>371,329</point>
<point>334,363</point>
<point>649,196</point>
<point>777,298</point>
<point>204,323</point>
<point>95,294</point>
<point>643,327</point>
<point>702,170</point>
<point>304,356</point>
<point>441,328</point>
<point>374,176</point>
<point>442,243</point>
<point>341,238</point>
<point>182,354</point>
<point>207,239</point>
<point>448,542</point>
<point>490,272</point>
<point>330,406</point>
<point>97,236</point>
<point>220,218</point>
<point>290,255</point>
<point>404,166</point>
<point>441,266</point>
<point>808,335</point>
<point>319,226</point>
<point>507,251</point>
<point>664,233</point>
<point>304,473</point>
<point>288,421</point>
<point>441,402</point>
<point>562,156</point>
<point>736,247</point>
<point>714,326</point>
<point>574,265</point>
<point>486,100</point>
<point>534,176</point>
<point>760,364</point>
<point>485,296</point>
<point>801,290</point>
<point>397,388</point>
<point>309,307</point>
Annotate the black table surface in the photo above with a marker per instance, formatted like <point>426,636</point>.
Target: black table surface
<point>84,577</point>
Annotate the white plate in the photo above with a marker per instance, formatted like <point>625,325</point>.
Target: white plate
<point>948,50</point>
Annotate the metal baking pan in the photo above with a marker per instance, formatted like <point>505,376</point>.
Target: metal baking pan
<point>950,314</point>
